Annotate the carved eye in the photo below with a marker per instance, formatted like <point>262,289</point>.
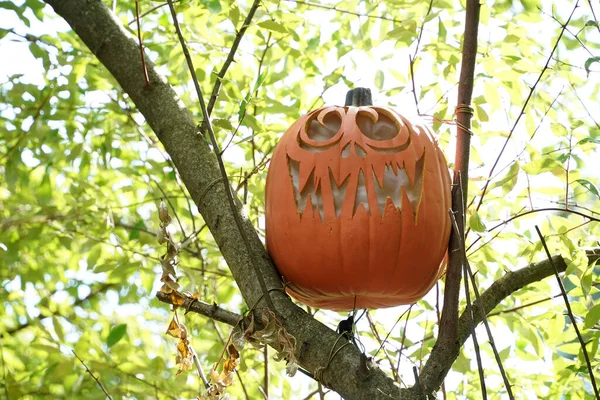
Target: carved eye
<point>321,129</point>
<point>382,129</point>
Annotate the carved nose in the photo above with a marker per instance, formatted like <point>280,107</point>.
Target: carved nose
<point>358,151</point>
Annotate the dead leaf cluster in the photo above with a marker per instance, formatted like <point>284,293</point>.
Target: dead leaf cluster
<point>168,261</point>
<point>221,381</point>
<point>271,333</point>
<point>185,353</point>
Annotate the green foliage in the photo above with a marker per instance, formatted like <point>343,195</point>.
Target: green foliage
<point>81,176</point>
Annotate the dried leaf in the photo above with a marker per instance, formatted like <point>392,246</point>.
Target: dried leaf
<point>221,381</point>
<point>274,334</point>
<point>163,213</point>
<point>174,329</point>
<point>185,356</point>
<point>177,299</point>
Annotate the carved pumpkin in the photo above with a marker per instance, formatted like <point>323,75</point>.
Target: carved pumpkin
<point>357,201</point>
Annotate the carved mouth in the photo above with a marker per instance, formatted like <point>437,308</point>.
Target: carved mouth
<point>390,185</point>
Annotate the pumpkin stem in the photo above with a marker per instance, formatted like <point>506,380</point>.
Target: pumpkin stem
<point>359,97</point>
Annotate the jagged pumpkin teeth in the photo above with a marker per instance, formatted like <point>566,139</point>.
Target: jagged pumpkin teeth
<point>355,189</point>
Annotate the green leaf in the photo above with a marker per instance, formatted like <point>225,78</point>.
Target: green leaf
<point>58,329</point>
<point>214,6</point>
<point>94,255</point>
<point>4,32</point>
<point>589,186</point>
<point>589,62</point>
<point>462,363</point>
<point>116,334</point>
<point>273,26</point>
<point>379,78</point>
<point>589,140</point>
<point>509,180</point>
<point>544,164</point>
<point>9,5</point>
<point>44,191</point>
<point>576,124</point>
<point>442,32</point>
<point>592,317</point>
<point>476,223</point>
<point>109,266</point>
<point>559,129</point>
<point>234,15</point>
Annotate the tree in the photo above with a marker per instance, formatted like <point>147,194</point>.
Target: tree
<point>83,175</point>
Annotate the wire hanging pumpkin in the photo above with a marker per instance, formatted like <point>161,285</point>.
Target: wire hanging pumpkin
<point>357,201</point>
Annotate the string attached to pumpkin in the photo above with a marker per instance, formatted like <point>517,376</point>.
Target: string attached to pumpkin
<point>319,371</point>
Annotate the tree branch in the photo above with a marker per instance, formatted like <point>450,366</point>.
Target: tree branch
<point>447,346</point>
<point>236,42</point>
<point>211,311</point>
<point>116,48</point>
<point>495,294</point>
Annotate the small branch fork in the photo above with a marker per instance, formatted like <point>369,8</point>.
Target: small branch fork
<point>92,375</point>
<point>571,316</point>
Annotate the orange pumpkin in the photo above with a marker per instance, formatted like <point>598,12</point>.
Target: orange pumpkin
<point>357,201</point>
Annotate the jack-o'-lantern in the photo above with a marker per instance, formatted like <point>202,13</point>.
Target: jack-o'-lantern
<point>357,201</point>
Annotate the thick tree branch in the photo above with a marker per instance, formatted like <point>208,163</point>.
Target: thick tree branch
<point>492,297</point>
<point>116,48</point>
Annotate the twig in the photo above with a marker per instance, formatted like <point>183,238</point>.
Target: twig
<point>489,332</point>
<point>411,63</point>
<point>209,310</point>
<point>393,326</point>
<point>522,306</point>
<point>92,375</point>
<point>387,356</point>
<point>537,128</point>
<point>221,75</point>
<point>266,372</point>
<point>583,104</point>
<point>139,35</point>
<point>570,312</point>
<point>544,210</point>
<point>594,15</point>
<point>215,145</point>
<point>437,313</point>
<point>199,369</point>
<point>414,56</point>
<point>150,11</point>
<point>342,11</point>
<point>522,112</point>
<point>469,312</point>
<point>403,337</point>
